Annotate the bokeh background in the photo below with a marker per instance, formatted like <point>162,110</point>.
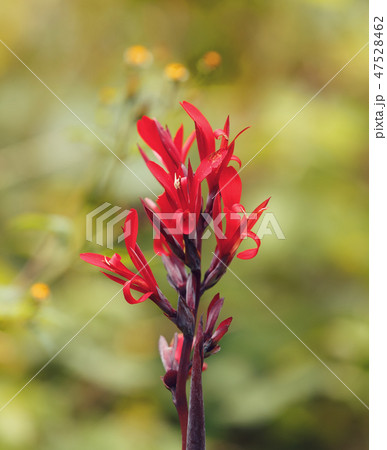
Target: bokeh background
<point>264,390</point>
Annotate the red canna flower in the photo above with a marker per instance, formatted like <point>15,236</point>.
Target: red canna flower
<point>180,219</point>
<point>178,209</point>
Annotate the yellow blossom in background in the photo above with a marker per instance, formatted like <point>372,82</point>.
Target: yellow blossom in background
<point>209,62</point>
<point>138,55</point>
<point>40,291</point>
<point>176,72</point>
<point>107,95</point>
<point>212,59</point>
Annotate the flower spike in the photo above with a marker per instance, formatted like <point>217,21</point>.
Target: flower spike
<point>179,216</point>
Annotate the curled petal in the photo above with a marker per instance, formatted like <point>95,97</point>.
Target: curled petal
<point>251,253</point>
<point>237,136</point>
<point>128,295</point>
<point>235,158</point>
<point>220,133</point>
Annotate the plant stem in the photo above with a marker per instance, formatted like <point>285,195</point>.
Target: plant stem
<point>180,399</point>
<point>196,433</point>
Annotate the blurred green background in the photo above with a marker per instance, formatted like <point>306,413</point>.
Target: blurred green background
<point>264,390</point>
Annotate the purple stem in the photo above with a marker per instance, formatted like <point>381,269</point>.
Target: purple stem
<point>196,434</point>
<point>180,399</point>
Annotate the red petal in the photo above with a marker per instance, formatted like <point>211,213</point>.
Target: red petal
<point>116,279</point>
<point>160,246</point>
<point>248,254</point>
<point>188,222</point>
<point>143,154</point>
<point>204,133</point>
<point>96,260</point>
<point>131,229</point>
<point>256,214</point>
<point>148,129</point>
<point>142,266</point>
<point>163,178</point>
<point>169,146</point>
<point>236,229</point>
<point>237,136</point>
<point>115,263</point>
<point>178,140</point>
<point>179,347</point>
<point>226,130</point>
<point>230,187</point>
<point>210,164</point>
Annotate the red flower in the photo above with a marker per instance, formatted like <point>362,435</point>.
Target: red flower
<point>143,281</point>
<point>181,201</point>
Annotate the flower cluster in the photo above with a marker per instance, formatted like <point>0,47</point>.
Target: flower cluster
<point>180,216</point>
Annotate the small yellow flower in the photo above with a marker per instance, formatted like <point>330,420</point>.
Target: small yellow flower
<point>212,59</point>
<point>138,55</point>
<point>107,95</point>
<point>176,72</point>
<point>40,291</point>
